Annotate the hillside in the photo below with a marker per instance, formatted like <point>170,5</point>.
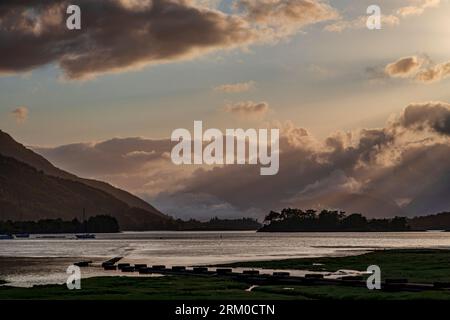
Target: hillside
<point>11,148</point>
<point>32,188</point>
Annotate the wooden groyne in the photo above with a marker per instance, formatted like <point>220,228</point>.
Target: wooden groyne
<point>256,277</point>
<point>112,261</point>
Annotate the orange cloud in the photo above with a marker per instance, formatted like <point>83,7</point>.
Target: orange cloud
<point>417,10</point>
<point>403,67</point>
<point>248,109</point>
<point>418,69</point>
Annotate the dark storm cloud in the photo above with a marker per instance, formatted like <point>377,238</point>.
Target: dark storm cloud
<point>117,35</point>
<point>379,172</point>
<point>112,36</point>
<point>433,115</point>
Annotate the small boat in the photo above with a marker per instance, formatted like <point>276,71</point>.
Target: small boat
<point>85,236</point>
<point>22,235</point>
<point>6,237</point>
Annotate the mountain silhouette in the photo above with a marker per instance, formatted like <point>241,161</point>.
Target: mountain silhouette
<point>31,188</point>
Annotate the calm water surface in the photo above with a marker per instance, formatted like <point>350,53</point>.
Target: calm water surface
<point>36,261</point>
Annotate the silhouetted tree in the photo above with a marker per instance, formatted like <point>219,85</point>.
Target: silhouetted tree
<point>272,216</point>
<point>355,221</point>
<point>330,220</point>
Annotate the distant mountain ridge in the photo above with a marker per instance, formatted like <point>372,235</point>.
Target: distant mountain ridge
<point>32,188</point>
<point>11,148</point>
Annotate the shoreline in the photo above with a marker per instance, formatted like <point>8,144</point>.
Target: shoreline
<point>417,265</point>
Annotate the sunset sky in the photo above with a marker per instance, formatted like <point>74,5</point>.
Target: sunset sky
<point>137,70</point>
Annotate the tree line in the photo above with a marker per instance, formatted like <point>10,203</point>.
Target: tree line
<point>95,224</point>
<point>108,224</point>
<point>216,224</point>
<point>298,220</point>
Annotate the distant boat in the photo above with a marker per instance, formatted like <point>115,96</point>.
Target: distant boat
<point>85,236</point>
<point>6,237</point>
<point>22,235</point>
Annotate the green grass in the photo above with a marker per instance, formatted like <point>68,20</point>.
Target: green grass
<point>350,293</point>
<point>141,288</point>
<point>417,265</point>
<point>202,288</point>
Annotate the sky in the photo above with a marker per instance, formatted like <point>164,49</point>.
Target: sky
<point>137,70</point>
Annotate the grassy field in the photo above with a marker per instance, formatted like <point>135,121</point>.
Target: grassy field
<point>139,288</point>
<point>201,288</point>
<point>416,265</point>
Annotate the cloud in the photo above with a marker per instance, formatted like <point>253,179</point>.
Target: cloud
<point>235,87</point>
<point>361,23</point>
<point>403,67</point>
<point>434,73</point>
<point>20,114</point>
<point>337,181</point>
<point>248,109</point>
<point>321,71</point>
<point>387,20</point>
<point>286,16</point>
<point>200,205</point>
<point>120,35</point>
<point>109,158</point>
<point>211,4</point>
<point>370,171</point>
<point>429,115</point>
<point>418,9</point>
<point>419,69</point>
<point>136,5</point>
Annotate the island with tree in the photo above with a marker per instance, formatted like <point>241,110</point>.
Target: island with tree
<point>298,220</point>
